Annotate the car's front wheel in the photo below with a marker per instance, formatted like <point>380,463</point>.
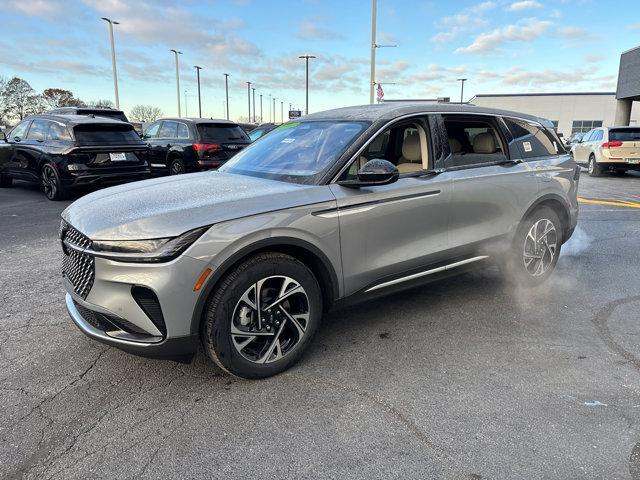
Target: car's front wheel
<point>535,248</point>
<point>176,167</point>
<point>262,316</point>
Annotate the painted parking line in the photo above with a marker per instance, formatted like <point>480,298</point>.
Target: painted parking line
<point>595,201</point>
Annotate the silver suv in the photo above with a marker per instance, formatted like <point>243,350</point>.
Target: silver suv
<point>339,206</point>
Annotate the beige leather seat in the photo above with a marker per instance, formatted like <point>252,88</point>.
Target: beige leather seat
<point>454,145</point>
<point>411,160</point>
<point>484,143</point>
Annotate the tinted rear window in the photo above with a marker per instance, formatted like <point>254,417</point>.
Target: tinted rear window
<point>117,115</point>
<point>626,135</point>
<point>106,135</point>
<point>222,132</point>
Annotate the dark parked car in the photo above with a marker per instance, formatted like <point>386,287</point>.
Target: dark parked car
<point>180,145</point>
<point>247,127</point>
<point>65,151</point>
<point>261,130</point>
<point>98,112</point>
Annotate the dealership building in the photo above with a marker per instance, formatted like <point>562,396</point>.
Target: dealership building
<point>569,112</point>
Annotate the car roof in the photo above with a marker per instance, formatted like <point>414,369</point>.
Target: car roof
<point>196,120</point>
<point>72,120</point>
<point>92,109</point>
<point>389,111</point>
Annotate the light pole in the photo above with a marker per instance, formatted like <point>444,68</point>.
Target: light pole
<point>254,104</point>
<point>281,112</point>
<point>274,109</point>
<point>306,58</point>
<point>226,89</point>
<point>199,100</point>
<point>261,118</point>
<point>186,105</point>
<point>461,80</point>
<point>249,100</point>
<point>372,79</point>
<point>270,116</point>
<point>176,53</point>
<point>113,58</point>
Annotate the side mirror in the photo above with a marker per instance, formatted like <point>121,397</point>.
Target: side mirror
<point>374,172</point>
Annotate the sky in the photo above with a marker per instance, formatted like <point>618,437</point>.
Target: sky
<point>500,46</point>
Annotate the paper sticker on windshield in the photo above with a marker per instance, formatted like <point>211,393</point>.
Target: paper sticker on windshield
<point>288,140</point>
<point>527,146</point>
<point>288,125</point>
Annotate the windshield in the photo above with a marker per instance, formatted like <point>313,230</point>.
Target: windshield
<point>624,135</point>
<point>221,132</point>
<point>296,152</point>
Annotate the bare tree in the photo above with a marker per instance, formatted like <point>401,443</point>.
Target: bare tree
<point>57,97</point>
<point>19,99</point>
<point>102,104</point>
<point>145,113</point>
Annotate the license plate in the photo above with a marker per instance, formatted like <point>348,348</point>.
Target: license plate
<point>633,160</point>
<point>117,157</point>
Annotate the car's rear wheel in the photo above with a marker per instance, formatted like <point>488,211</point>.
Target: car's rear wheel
<point>262,316</point>
<point>51,183</point>
<point>176,167</point>
<point>536,248</point>
<point>5,181</point>
<point>594,169</point>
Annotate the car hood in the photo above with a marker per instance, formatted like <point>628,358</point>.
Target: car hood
<point>170,206</point>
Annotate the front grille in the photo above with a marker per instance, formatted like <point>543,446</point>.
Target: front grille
<point>108,323</point>
<point>77,266</point>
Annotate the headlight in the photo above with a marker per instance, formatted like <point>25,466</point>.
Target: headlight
<point>155,250</point>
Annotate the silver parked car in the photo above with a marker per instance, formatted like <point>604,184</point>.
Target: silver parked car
<point>339,206</point>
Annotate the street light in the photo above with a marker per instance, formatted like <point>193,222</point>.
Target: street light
<point>226,88</point>
<point>176,53</point>
<point>306,58</point>
<point>374,45</point>
<point>199,101</point>
<point>113,58</point>
<point>261,117</point>
<point>249,100</point>
<point>274,109</point>
<point>461,80</point>
<point>281,112</point>
<point>270,116</point>
<point>254,103</point>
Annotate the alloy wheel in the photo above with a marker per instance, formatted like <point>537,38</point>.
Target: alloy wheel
<point>540,247</point>
<point>270,319</point>
<point>592,165</point>
<point>49,181</point>
<point>176,167</point>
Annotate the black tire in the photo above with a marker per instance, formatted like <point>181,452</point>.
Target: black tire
<point>5,181</point>
<point>51,183</point>
<point>222,309</point>
<point>176,167</point>
<point>516,266</point>
<point>593,167</point>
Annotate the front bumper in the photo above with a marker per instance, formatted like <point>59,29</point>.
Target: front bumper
<point>177,348</point>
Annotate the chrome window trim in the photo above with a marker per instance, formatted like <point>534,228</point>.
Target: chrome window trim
<point>409,116</point>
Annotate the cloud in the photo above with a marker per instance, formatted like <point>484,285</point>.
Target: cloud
<point>464,21</point>
<point>37,8</point>
<point>575,77</point>
<point>524,31</point>
<point>312,28</point>
<point>573,33</point>
<point>633,26</point>
<point>524,5</point>
<point>594,58</point>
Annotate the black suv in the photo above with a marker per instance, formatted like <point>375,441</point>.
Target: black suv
<point>98,112</point>
<point>65,151</point>
<point>179,145</point>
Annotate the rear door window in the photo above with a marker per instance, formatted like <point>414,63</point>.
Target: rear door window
<point>222,133</point>
<point>152,131</point>
<point>38,130</point>
<point>106,135</point>
<point>473,141</point>
<point>168,130</point>
<point>532,139</point>
<point>624,135</point>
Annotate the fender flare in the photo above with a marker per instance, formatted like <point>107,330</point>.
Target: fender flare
<point>260,245</point>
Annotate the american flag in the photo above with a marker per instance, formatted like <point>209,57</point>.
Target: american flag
<point>380,92</point>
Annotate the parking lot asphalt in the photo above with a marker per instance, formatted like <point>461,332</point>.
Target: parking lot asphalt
<point>467,378</point>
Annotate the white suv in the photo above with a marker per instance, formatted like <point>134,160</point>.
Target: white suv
<point>615,149</point>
